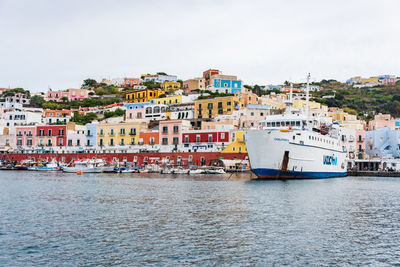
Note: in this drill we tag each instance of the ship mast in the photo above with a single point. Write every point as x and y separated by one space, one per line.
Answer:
307 94
289 102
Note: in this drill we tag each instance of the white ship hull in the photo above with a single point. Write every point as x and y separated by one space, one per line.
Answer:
82 169
294 154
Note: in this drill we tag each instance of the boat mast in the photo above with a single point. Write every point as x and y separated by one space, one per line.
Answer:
307 94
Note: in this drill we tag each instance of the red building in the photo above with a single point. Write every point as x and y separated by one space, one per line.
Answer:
130 82
207 76
51 135
205 136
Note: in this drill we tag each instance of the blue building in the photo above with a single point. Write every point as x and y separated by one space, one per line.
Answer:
91 135
136 105
227 86
383 143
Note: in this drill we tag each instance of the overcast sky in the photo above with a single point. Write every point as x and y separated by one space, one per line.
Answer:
60 43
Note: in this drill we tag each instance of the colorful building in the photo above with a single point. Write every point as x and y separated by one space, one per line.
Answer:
207 76
57 116
25 136
168 100
143 95
204 140
91 135
225 84
209 108
383 143
381 120
170 131
149 138
120 133
130 82
51 135
237 144
193 84
247 98
170 85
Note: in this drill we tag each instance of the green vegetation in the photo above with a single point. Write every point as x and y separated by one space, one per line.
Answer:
211 94
88 102
117 113
37 101
83 119
152 85
12 92
361 101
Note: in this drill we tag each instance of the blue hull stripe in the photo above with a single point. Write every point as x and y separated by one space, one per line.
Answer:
277 174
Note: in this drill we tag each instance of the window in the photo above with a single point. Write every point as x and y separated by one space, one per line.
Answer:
122 131
133 131
210 105
19 142
219 104
165 141
61 132
49 132
69 142
78 142
297 123
111 141
175 140
112 132
165 129
176 129
197 138
101 132
101 142
49 142
210 138
222 135
186 138
151 140
251 113
122 142
29 142
278 124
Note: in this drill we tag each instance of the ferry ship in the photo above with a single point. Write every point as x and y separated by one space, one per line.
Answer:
294 146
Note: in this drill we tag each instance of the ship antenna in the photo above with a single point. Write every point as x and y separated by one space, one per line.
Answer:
291 92
307 94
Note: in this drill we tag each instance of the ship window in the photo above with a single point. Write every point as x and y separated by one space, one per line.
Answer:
297 123
278 124
287 123
273 124
293 123
268 124
309 137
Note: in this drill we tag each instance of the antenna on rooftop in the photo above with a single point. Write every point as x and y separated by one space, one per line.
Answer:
307 93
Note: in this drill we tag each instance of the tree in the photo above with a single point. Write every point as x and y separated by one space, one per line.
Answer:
37 101
64 99
89 82
161 73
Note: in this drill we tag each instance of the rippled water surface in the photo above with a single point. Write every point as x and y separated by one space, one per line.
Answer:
131 219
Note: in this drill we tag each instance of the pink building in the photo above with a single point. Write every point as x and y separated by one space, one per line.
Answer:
134 114
389 81
25 136
170 131
77 94
360 137
381 120
71 94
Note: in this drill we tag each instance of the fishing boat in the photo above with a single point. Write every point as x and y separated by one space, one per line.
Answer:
85 166
214 170
50 166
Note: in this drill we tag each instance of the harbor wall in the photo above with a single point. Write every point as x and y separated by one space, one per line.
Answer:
182 158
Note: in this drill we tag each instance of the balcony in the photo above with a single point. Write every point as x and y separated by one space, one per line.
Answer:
122 133
152 143
29 135
101 134
89 134
111 134
132 133
164 132
121 144
19 134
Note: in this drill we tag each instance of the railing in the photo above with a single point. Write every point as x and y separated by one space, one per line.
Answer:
132 133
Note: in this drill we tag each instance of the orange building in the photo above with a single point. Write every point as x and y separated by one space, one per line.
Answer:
247 98
149 138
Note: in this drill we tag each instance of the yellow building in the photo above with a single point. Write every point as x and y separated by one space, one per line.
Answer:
369 80
167 85
120 134
144 95
299 103
237 144
175 99
209 108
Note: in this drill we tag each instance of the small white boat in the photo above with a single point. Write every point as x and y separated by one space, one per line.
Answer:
215 170
128 170
197 171
85 166
180 170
